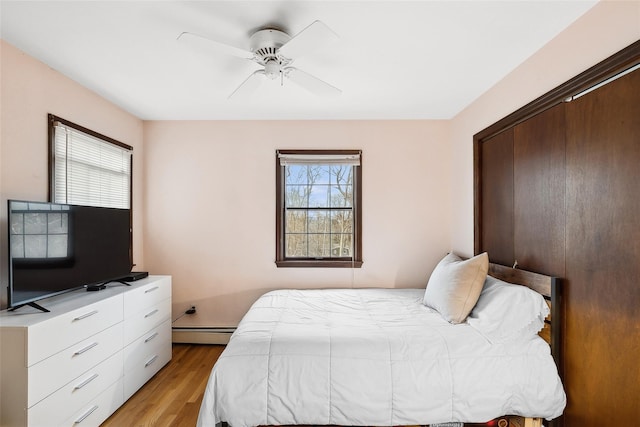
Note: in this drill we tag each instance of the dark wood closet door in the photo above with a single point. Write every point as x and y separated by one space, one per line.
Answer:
539 191
496 187
602 350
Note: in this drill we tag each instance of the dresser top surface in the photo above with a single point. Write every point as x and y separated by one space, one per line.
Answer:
64 303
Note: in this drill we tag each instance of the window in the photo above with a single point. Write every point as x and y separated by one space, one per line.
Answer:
87 168
318 199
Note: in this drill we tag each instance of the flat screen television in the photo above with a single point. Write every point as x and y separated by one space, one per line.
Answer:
56 248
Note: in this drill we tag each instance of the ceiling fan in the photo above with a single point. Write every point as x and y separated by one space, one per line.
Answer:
275 50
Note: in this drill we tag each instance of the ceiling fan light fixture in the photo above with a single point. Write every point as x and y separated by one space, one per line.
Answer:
272 69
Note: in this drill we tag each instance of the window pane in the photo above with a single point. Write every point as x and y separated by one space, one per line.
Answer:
319 245
341 196
297 196
296 222
341 245
296 174
319 222
341 174
296 245
341 221
319 174
320 196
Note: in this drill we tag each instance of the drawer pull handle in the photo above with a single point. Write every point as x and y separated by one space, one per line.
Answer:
151 313
151 290
84 316
85 382
150 361
86 414
85 349
155 334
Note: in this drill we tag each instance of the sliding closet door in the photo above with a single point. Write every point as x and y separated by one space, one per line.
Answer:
580 221
496 188
539 192
522 188
602 349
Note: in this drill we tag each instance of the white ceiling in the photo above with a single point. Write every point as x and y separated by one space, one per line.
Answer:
394 59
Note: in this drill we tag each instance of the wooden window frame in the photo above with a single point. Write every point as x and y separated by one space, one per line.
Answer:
356 257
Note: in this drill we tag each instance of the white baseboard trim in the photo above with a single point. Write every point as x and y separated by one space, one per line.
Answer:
202 335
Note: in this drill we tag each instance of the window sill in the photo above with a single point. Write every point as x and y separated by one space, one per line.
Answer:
310 263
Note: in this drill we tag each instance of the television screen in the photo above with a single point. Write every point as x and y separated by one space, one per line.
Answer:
54 248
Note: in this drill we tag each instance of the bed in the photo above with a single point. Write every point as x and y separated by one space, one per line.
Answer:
381 357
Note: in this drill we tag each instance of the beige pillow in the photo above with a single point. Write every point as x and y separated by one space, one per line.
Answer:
455 285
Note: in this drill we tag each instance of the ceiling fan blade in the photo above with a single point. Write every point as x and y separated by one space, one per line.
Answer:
249 85
314 36
207 43
311 83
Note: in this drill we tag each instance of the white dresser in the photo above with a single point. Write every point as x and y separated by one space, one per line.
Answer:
77 364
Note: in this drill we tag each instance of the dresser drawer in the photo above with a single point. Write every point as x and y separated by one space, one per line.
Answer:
49 375
144 296
145 356
50 337
99 409
68 400
142 321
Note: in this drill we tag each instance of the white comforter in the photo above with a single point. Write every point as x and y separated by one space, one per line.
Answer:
371 357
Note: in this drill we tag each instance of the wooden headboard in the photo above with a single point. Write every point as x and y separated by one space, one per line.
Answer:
550 288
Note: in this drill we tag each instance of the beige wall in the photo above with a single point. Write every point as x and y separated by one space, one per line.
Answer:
607 28
30 90
211 207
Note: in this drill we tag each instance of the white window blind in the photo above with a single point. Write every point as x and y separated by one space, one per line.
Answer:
314 159
90 171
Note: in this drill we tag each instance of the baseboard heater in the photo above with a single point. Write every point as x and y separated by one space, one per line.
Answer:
202 335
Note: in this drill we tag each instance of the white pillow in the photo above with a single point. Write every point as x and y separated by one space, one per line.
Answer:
507 312
455 285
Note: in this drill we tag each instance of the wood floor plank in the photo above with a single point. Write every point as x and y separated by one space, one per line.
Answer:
173 396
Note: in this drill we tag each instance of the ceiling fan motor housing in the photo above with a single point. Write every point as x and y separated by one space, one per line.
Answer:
264 45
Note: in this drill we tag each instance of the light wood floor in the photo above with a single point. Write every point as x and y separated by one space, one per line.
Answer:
172 397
